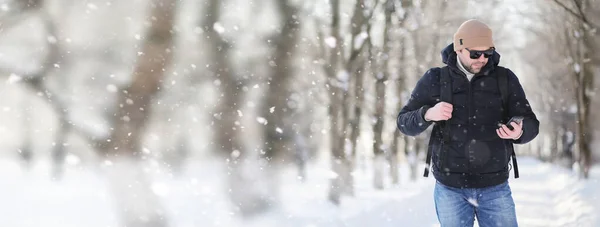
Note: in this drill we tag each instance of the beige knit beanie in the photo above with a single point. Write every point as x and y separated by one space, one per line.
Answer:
472 33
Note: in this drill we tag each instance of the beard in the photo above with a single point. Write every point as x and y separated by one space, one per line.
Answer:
474 70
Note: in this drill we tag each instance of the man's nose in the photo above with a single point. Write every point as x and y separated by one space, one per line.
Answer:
482 59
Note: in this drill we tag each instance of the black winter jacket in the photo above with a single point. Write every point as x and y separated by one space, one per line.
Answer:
476 156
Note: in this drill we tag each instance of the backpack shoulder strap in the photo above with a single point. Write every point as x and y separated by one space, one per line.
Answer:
445 85
503 87
445 96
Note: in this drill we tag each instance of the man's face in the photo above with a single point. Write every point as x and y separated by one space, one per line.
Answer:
474 65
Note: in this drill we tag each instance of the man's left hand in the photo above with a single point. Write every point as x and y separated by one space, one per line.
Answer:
505 133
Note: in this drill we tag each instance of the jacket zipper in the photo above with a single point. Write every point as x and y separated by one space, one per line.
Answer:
469 100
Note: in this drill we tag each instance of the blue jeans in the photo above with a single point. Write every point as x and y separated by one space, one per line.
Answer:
493 206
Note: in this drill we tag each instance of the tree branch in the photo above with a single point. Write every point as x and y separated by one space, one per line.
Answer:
35 81
20 10
580 16
355 52
569 10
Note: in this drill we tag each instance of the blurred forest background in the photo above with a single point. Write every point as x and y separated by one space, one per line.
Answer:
246 90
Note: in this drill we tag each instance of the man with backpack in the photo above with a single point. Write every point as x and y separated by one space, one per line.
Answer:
470 101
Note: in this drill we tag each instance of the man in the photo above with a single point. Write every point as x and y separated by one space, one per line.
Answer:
470 143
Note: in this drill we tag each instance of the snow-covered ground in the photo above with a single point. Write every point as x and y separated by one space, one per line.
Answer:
545 195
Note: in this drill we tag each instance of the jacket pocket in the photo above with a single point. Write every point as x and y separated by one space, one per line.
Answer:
489 156
455 160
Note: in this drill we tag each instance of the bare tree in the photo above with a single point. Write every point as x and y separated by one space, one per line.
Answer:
553 91
338 67
422 42
121 148
279 133
132 113
244 195
34 80
360 41
19 11
583 39
400 80
228 86
339 161
382 75
25 149
358 93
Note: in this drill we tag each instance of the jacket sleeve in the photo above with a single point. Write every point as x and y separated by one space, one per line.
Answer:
411 119
518 105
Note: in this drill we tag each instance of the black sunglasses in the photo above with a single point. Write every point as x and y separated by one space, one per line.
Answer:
475 54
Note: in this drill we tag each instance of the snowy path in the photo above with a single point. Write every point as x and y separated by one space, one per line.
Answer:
545 195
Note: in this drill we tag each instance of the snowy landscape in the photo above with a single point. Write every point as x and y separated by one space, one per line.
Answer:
260 113
545 195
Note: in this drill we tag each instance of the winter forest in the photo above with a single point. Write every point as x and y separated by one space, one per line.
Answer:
182 113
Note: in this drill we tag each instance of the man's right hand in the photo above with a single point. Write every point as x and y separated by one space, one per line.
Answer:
440 112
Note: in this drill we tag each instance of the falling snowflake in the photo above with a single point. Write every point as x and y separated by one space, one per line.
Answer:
218 28
14 78
331 42
262 120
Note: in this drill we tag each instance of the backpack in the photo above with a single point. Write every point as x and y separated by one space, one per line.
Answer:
446 96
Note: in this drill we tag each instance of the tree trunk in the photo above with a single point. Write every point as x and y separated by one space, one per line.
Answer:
131 186
345 144
379 149
337 153
410 153
177 154
278 132
555 143
355 66
338 157
587 95
394 168
585 83
25 149
584 135
543 145
359 95
400 80
419 147
244 194
59 149
340 163
35 81
566 153
301 155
